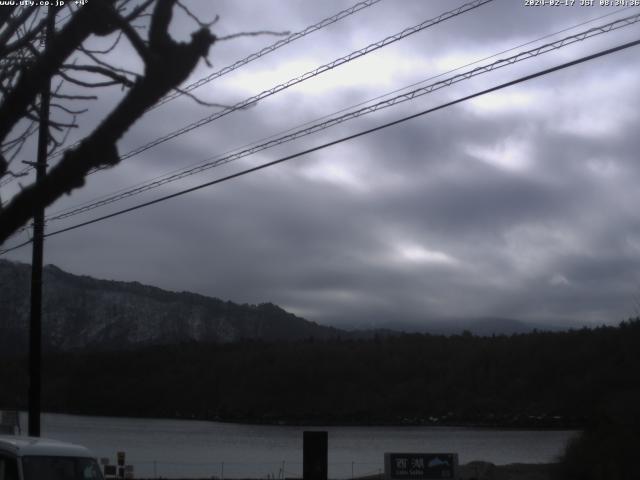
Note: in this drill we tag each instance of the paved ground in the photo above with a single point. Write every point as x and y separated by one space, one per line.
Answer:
516 471
489 471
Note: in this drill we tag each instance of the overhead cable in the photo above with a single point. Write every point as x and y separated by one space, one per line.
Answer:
343 139
262 140
266 50
307 75
411 95
228 69
251 101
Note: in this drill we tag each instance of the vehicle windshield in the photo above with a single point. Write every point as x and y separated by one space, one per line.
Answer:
60 468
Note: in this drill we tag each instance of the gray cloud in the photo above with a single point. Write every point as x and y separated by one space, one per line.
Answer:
521 204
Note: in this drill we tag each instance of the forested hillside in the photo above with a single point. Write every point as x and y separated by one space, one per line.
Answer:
84 312
560 379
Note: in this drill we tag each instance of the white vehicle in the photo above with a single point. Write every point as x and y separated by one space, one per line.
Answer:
30 458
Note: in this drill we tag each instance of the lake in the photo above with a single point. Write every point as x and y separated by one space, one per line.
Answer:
184 448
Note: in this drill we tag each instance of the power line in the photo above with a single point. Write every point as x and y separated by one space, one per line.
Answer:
344 139
10 178
306 76
255 142
178 174
329 66
266 50
223 71
314 128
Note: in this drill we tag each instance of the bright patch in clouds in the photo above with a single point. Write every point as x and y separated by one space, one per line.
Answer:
345 169
418 254
335 173
505 102
533 249
379 71
512 154
600 107
436 212
558 280
603 167
259 80
455 61
590 121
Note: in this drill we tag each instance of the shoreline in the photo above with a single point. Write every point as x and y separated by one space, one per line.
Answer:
539 425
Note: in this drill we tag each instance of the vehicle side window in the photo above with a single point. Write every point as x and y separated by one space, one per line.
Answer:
60 468
91 471
8 468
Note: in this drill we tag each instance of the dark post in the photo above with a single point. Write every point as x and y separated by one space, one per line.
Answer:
35 326
314 453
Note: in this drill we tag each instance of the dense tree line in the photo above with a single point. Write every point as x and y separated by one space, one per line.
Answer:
560 379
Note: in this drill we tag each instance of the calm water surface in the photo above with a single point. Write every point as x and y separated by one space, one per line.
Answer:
173 448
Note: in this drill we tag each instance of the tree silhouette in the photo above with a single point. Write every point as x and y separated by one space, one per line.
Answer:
68 59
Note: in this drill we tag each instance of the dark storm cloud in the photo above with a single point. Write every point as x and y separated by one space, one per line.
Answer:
520 205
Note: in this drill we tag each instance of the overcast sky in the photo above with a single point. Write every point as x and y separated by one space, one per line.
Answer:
521 204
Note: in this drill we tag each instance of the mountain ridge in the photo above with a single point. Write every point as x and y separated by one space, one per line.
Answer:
80 311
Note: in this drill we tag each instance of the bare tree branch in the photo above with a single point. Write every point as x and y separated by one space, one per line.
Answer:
82 83
25 40
68 110
252 34
168 64
159 29
57 125
22 173
108 49
138 11
31 80
199 22
12 24
136 41
5 13
204 103
104 64
116 77
58 143
74 97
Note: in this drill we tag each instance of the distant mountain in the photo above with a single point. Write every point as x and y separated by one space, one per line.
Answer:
81 312
483 327
505 326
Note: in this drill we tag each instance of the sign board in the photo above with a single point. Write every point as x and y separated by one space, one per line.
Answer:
121 458
420 466
110 470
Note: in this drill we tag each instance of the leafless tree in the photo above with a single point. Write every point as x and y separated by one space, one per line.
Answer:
68 58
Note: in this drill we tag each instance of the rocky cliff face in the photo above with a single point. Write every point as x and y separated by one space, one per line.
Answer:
83 312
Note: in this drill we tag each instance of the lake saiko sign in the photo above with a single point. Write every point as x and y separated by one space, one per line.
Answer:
420 466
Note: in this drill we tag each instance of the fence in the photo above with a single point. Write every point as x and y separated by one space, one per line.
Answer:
165 469
9 422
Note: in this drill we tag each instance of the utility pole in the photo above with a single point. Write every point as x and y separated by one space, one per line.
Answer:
35 325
